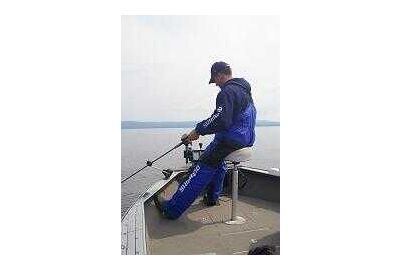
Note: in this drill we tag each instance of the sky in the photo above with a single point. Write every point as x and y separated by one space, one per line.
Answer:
166 62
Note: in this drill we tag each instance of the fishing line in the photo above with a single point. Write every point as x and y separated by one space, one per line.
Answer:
150 163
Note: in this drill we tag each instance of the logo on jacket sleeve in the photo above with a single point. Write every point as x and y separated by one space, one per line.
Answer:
212 118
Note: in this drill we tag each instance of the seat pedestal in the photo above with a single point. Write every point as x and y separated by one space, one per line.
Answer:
235 158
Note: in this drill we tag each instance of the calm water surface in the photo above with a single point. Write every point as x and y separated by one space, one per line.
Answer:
139 145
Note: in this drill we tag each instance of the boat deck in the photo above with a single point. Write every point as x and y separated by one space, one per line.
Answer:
201 230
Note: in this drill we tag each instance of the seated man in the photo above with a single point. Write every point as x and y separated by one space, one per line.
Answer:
233 123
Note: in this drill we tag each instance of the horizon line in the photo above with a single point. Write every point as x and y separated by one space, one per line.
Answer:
162 121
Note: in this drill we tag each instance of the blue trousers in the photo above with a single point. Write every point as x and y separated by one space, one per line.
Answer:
208 174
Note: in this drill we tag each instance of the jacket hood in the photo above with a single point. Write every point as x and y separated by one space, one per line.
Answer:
240 82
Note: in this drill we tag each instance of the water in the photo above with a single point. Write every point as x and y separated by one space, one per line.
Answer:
139 145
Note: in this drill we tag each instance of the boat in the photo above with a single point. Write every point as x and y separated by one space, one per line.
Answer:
246 224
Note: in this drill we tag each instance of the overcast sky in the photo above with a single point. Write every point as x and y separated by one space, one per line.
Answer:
166 63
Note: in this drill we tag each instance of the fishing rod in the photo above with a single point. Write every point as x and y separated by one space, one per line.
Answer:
150 163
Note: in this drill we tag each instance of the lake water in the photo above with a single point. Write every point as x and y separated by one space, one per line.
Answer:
139 145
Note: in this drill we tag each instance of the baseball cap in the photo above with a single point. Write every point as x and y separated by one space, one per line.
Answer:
216 68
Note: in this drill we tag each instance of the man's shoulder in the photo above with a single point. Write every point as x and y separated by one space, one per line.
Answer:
223 94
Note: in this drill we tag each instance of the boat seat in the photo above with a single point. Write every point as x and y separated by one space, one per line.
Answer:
240 155
236 157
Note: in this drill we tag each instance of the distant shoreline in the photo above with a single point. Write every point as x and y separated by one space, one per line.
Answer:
182 124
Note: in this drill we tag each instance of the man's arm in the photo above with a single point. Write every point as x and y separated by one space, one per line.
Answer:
221 119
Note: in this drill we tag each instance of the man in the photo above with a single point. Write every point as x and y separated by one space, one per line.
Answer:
233 123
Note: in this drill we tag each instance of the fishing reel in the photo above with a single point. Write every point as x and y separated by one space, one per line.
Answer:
192 155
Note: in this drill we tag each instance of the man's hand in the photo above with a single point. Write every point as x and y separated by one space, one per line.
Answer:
193 135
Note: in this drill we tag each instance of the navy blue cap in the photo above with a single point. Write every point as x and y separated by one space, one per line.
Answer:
216 68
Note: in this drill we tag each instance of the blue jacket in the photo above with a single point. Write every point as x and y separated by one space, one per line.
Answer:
234 118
